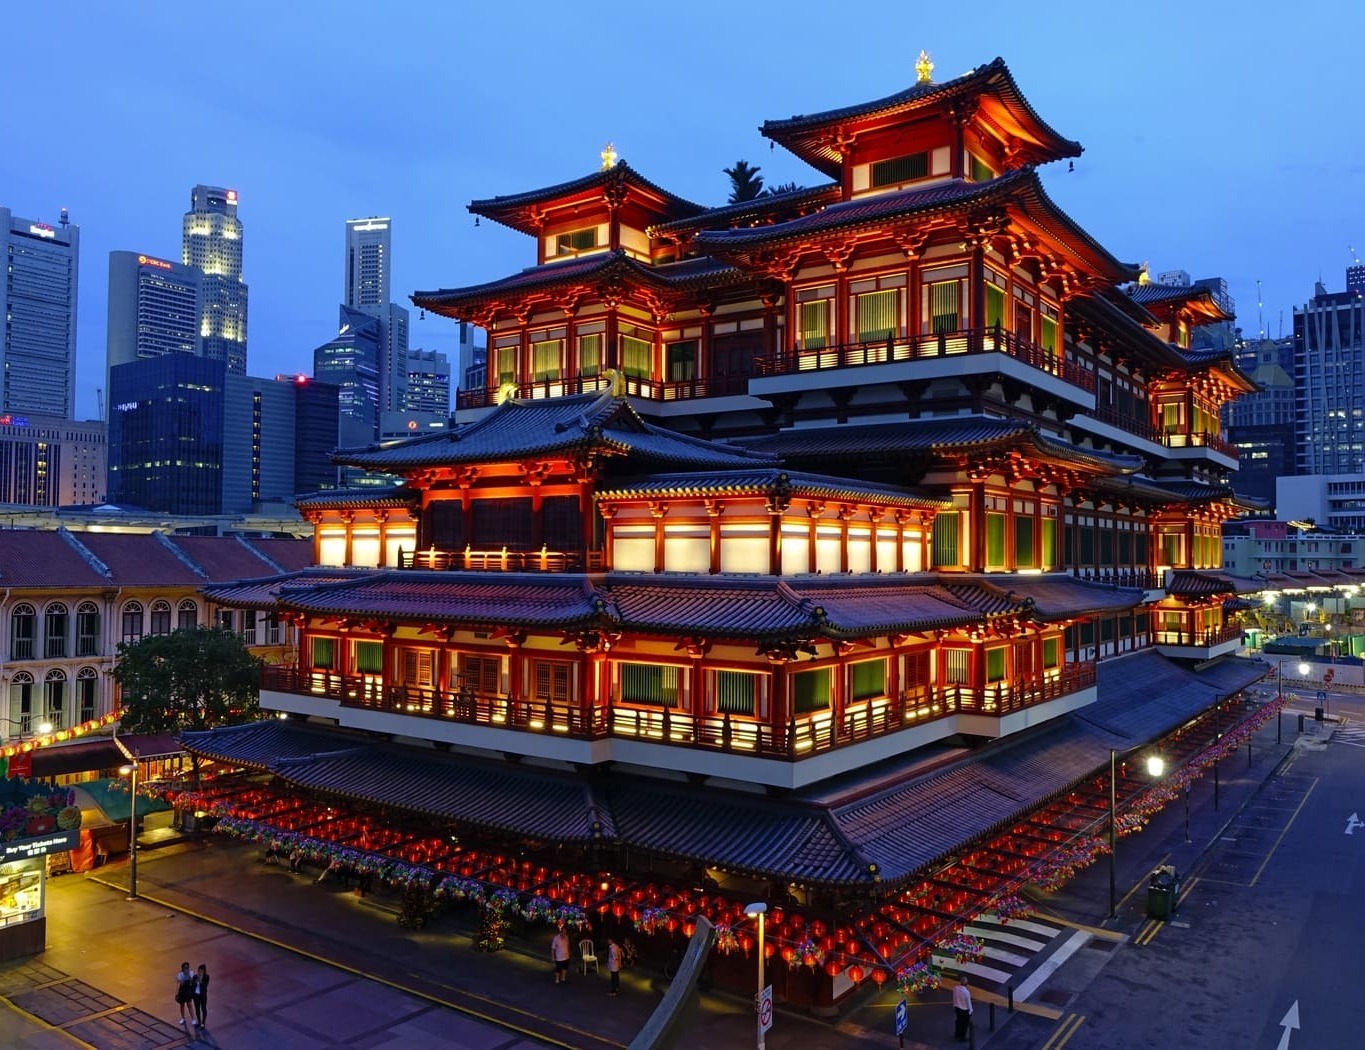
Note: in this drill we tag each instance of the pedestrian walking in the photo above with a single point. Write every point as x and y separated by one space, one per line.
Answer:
184 993
962 1006
201 996
560 954
614 966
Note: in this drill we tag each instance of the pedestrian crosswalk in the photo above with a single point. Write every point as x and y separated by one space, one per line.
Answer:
1352 733
1009 947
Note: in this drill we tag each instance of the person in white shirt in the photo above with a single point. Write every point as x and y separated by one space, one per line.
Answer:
962 1004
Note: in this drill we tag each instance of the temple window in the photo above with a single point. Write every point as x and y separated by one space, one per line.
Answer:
657 685
878 315
810 691
995 301
483 674
682 361
900 169
915 673
957 666
1024 511
1023 320
635 355
576 241
1051 652
979 170
1047 331
1051 559
744 547
943 302
996 522
813 324
795 548
1172 416
505 364
829 547
632 548
590 354
687 547
552 680
736 693
995 665
946 540
859 547
369 657
322 653
547 359
1172 539
867 680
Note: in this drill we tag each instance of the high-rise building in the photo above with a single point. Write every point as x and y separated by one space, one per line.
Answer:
1329 362
48 461
428 382
188 437
153 308
1355 278
212 242
350 362
38 307
1261 424
368 248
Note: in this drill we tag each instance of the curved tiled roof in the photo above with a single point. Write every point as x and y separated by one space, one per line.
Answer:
940 436
599 267
579 422
801 134
769 481
505 209
769 207
264 593
1197 582
397 496
1050 597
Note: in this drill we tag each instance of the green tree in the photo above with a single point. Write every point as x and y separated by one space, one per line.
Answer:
746 183
782 187
193 678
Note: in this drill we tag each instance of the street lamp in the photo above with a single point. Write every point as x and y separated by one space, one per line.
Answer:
1156 765
131 770
759 910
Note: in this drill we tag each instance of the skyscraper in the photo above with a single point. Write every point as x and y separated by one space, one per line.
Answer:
428 382
368 247
1329 362
212 241
369 260
153 308
38 311
350 362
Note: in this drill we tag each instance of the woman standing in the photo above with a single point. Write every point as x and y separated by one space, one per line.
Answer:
201 996
184 992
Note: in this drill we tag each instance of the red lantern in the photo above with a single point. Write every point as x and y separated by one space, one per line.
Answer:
879 976
769 950
855 973
851 946
832 967
618 909
672 924
689 928
746 942
789 955
828 943
775 916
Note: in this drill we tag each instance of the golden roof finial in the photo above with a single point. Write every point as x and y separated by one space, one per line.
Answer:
924 69
608 157
1144 273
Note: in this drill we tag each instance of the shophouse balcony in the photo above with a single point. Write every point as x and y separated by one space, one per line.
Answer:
939 347
1179 443
801 736
1201 644
645 389
503 560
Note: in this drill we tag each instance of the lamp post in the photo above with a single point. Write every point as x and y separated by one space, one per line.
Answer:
1155 767
759 911
131 770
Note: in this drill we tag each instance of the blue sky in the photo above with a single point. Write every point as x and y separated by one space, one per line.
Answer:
1220 138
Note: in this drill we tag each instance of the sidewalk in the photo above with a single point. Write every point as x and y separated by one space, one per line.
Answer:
293 961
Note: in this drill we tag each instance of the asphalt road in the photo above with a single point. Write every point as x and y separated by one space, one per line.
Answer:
1266 950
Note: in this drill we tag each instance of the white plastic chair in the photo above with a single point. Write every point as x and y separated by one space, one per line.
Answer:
587 957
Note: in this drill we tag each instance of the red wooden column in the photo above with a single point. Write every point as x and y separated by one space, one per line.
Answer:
874 515
714 509
348 519
779 710
381 518
658 511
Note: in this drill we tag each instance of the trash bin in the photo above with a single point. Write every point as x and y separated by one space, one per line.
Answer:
1162 888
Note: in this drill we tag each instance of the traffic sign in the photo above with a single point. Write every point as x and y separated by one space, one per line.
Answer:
900 1017
765 1009
1322 694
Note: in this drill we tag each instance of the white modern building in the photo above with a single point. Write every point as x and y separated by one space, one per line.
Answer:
153 309
212 242
368 251
38 308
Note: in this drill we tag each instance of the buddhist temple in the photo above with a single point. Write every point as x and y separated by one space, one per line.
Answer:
804 545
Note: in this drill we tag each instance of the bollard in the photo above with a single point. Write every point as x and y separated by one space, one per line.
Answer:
992 1017
1009 991
1300 722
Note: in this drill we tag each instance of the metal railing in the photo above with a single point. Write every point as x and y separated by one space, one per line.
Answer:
1200 440
503 560
648 389
1203 639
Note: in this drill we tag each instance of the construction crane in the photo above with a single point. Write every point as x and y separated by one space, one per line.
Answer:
99 400
1260 319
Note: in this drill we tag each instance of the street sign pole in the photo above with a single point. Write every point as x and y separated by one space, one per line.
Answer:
900 1022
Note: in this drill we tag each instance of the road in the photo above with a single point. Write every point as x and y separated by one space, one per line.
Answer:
1266 950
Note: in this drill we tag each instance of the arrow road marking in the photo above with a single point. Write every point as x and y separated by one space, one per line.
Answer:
1353 822
1289 1024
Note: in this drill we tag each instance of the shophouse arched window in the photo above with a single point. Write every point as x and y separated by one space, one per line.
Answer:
23 626
55 625
54 698
160 618
21 703
132 622
87 629
87 693
188 615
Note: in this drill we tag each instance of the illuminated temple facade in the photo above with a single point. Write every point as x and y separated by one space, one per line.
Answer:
765 495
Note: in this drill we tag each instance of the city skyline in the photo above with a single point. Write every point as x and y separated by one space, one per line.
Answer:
1199 159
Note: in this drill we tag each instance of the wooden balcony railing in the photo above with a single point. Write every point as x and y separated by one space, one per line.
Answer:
994 340
1143 578
1204 639
648 389
503 560
1200 440
799 737
1142 428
